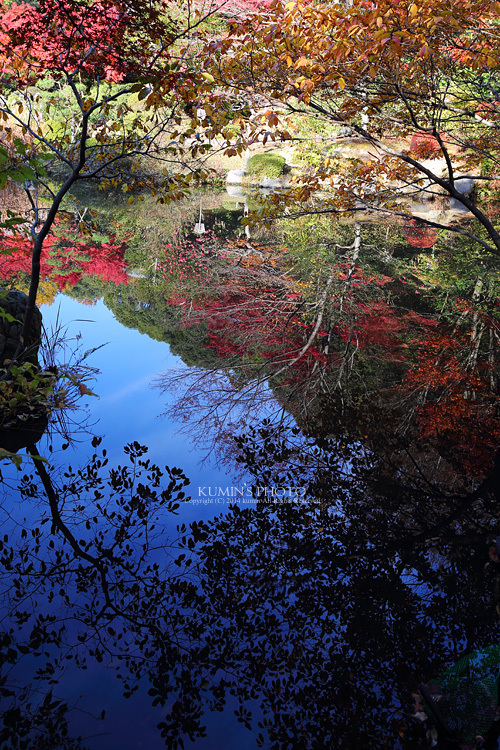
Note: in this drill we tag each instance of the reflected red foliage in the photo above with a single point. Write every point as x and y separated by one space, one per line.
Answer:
459 400
246 320
65 262
420 235
253 324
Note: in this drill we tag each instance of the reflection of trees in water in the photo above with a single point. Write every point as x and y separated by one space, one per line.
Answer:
372 588
137 306
86 582
360 569
67 258
319 609
333 329
147 226
349 342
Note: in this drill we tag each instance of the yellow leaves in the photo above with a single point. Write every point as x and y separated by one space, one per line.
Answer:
341 83
208 78
413 10
306 85
301 63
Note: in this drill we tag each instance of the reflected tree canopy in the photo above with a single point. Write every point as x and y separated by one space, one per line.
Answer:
319 608
355 381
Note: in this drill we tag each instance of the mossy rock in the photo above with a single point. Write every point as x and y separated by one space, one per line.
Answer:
12 309
266 165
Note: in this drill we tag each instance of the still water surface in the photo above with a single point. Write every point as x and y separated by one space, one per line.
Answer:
320 616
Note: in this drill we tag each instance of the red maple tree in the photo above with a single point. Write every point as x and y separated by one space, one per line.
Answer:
108 39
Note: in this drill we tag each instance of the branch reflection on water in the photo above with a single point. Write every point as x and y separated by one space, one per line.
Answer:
321 612
364 565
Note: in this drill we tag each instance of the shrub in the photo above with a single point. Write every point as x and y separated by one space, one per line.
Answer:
420 235
266 165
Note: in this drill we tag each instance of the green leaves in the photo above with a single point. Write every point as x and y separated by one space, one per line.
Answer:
21 173
14 458
21 164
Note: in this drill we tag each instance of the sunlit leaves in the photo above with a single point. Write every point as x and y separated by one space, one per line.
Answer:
387 72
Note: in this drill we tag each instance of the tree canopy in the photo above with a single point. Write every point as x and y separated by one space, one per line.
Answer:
417 82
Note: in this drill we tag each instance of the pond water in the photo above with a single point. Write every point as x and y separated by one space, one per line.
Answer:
330 393
129 403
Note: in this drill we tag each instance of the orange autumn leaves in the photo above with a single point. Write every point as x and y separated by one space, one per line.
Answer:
313 44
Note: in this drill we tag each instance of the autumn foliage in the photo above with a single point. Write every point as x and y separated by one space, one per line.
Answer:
424 145
458 410
417 234
65 261
246 323
108 39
